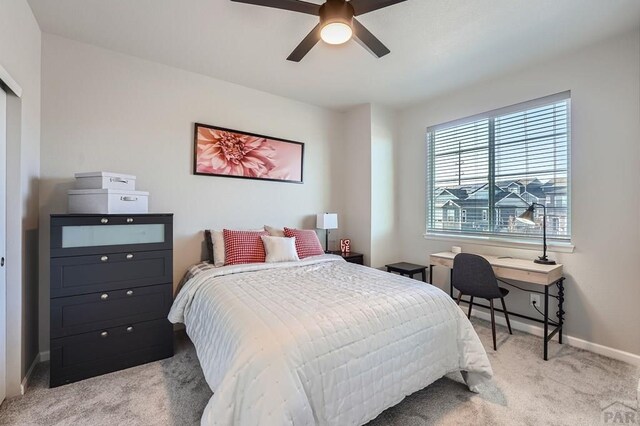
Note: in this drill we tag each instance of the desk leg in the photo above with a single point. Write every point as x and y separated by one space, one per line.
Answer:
431 274
546 320
424 275
560 285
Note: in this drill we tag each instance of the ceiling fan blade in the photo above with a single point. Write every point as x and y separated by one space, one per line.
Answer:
293 5
305 45
361 7
368 40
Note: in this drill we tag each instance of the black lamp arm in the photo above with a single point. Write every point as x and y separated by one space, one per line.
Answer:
544 230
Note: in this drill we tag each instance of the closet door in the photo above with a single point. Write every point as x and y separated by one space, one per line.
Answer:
3 223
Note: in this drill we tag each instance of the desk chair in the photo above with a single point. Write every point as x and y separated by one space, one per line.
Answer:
473 276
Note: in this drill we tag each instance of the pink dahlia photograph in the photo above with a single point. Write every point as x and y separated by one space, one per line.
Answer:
225 152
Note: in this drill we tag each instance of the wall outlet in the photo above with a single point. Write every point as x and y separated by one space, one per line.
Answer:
534 299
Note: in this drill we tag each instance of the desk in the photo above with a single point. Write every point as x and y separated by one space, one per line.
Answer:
520 270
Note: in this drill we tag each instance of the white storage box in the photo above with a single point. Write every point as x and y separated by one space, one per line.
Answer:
105 180
107 201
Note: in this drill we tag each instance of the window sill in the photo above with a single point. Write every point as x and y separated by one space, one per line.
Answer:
554 246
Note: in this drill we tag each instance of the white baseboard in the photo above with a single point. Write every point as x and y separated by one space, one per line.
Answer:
27 377
44 356
627 357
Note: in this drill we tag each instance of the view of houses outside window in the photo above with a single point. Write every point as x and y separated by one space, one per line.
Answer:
485 172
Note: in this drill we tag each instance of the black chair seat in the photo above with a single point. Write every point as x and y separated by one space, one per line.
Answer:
474 276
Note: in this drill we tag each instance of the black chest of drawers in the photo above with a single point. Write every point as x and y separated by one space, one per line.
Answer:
111 291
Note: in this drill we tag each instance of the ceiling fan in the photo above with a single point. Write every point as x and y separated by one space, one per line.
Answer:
337 22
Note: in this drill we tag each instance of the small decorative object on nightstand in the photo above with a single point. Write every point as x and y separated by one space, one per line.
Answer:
408 269
351 257
345 245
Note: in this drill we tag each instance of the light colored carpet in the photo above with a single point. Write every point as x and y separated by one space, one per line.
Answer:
569 389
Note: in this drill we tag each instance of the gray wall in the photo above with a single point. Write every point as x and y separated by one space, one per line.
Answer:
108 111
603 272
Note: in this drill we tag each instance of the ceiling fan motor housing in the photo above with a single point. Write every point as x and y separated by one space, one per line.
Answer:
336 11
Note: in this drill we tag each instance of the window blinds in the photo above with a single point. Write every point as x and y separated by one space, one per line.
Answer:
485 170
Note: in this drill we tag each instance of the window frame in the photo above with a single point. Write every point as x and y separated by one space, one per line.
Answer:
501 239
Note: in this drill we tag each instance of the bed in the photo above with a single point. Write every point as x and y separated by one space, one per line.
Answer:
320 341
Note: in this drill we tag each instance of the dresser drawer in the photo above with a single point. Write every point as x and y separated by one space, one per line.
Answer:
85 355
109 271
79 235
80 314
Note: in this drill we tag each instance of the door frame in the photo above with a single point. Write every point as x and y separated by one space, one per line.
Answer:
3 244
12 90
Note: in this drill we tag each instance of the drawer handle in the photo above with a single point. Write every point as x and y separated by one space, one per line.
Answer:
119 180
104 296
129 220
129 292
104 258
129 329
104 334
129 256
127 198
104 220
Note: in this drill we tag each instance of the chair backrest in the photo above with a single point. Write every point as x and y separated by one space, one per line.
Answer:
473 276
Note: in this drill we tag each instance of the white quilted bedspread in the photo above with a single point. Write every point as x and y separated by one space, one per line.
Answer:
321 341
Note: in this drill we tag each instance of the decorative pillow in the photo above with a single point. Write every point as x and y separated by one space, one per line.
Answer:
307 243
215 245
274 232
243 247
280 249
208 239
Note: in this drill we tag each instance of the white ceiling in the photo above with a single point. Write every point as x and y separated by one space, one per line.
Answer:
435 44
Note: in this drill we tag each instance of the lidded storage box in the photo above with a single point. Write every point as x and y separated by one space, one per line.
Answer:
107 193
105 180
107 201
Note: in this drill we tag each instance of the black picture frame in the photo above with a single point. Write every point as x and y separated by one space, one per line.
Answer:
240 132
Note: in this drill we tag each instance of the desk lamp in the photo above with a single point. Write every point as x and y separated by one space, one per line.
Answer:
527 217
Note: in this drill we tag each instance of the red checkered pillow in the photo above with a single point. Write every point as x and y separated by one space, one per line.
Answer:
307 243
243 247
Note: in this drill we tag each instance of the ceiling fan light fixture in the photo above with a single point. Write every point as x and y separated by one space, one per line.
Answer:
336 21
336 33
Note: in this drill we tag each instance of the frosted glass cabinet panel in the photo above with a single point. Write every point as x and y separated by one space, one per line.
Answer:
112 235
90 234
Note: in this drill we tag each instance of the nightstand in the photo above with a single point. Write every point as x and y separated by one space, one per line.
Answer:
408 269
351 257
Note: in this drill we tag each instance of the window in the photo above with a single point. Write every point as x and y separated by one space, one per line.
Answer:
493 166
451 215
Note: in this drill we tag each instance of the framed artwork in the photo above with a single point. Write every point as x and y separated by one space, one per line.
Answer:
345 245
232 153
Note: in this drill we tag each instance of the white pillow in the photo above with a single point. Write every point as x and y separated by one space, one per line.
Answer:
280 249
274 232
217 239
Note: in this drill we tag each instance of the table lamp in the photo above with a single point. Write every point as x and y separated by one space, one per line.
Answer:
327 221
527 217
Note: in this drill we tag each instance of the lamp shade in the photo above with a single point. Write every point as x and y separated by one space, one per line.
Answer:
327 221
527 216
